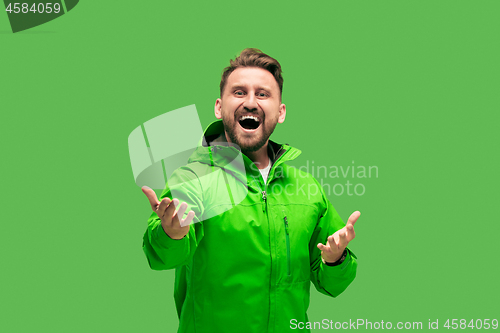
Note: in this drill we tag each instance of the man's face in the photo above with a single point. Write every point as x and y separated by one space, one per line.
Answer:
250 107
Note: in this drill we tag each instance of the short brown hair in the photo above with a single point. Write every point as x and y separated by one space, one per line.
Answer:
251 57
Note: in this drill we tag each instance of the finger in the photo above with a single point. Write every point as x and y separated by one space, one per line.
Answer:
160 210
343 239
153 200
180 212
169 212
176 202
353 218
322 247
188 219
335 236
333 242
350 233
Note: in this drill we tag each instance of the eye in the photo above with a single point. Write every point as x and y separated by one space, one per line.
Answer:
262 94
239 93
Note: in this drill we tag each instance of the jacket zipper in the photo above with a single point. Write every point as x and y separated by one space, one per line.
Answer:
287 235
264 209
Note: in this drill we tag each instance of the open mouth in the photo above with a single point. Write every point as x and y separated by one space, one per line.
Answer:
249 122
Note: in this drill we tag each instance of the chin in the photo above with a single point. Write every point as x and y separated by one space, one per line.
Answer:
250 149
250 144
248 139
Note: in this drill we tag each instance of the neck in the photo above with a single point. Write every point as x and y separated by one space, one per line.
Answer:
260 157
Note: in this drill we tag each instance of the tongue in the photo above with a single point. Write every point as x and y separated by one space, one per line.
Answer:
249 124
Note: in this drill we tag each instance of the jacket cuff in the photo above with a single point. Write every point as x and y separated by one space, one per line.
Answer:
166 242
339 269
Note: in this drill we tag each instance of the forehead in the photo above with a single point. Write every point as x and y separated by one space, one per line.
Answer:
252 77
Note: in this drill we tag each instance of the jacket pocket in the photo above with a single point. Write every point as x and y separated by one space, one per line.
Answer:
287 236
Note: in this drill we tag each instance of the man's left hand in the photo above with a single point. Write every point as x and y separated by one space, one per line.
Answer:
332 251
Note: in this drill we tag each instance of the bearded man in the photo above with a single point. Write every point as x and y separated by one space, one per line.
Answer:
246 265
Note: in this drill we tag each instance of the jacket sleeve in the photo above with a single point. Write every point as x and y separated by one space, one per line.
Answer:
329 280
162 251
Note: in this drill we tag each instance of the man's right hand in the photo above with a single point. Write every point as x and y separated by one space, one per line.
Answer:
171 220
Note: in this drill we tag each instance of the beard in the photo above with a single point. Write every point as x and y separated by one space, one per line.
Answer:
246 141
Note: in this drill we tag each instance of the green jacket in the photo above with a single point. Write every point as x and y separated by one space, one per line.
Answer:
247 262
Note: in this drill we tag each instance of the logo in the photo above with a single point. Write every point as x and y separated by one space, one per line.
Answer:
165 143
28 14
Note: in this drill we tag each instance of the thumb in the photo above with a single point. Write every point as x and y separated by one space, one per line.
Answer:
353 218
153 200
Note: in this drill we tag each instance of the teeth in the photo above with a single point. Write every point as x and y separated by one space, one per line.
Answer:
250 117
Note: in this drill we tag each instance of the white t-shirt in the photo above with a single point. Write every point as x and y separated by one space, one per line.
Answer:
265 172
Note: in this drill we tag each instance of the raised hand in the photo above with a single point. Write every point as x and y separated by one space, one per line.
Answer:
332 251
171 220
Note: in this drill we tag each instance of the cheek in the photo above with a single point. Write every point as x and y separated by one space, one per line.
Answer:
228 116
272 117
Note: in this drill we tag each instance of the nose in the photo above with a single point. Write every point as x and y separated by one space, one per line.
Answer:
250 102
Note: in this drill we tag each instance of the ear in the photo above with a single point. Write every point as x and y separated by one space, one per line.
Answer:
282 115
217 108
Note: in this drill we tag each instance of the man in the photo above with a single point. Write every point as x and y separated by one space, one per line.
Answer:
247 266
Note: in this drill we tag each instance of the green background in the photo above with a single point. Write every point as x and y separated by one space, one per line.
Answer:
411 87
